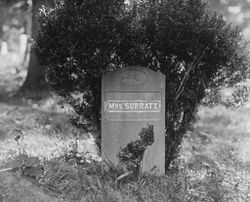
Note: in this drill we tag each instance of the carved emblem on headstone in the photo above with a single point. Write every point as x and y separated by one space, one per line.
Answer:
133 77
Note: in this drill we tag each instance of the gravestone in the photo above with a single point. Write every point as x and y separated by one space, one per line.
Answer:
4 48
132 98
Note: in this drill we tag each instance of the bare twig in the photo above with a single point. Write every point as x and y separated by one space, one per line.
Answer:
190 68
124 175
6 169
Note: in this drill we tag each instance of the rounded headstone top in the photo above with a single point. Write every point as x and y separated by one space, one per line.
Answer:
133 78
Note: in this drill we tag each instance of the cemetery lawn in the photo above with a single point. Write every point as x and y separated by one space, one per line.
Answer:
214 164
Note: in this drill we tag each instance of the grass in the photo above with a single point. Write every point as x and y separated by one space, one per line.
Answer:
214 163
220 142
43 134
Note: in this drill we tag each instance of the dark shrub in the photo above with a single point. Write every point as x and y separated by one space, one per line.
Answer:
80 40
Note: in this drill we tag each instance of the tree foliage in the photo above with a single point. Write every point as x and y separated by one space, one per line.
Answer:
80 40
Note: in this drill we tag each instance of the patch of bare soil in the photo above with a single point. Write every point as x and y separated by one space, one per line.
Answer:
15 188
40 130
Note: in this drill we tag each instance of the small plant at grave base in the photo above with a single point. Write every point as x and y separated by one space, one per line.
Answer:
74 157
131 156
196 50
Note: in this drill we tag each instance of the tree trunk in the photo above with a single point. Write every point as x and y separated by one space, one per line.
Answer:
27 31
35 80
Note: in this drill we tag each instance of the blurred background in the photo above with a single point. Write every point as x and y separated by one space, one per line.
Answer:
18 22
15 33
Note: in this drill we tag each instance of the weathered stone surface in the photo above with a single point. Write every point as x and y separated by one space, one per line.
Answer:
132 98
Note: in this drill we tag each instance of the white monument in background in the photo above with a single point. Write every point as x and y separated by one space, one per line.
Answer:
23 43
4 48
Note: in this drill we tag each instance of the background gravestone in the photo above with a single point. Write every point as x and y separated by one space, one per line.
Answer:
132 98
